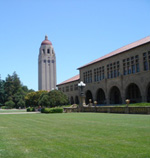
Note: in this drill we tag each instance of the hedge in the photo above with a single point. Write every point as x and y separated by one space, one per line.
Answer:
52 110
30 109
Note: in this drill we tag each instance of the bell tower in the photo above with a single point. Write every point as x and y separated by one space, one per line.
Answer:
46 66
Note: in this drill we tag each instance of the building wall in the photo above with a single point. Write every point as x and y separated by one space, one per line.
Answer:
115 89
122 81
71 90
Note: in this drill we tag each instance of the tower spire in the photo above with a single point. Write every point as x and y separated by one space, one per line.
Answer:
46 37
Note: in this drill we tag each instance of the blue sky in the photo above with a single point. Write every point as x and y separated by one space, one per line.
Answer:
80 31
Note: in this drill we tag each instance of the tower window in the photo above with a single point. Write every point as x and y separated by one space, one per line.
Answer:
43 51
48 51
44 61
52 51
52 61
48 61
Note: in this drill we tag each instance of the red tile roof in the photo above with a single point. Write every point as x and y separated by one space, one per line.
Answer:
75 78
120 50
46 41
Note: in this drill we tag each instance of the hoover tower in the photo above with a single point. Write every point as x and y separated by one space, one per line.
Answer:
46 66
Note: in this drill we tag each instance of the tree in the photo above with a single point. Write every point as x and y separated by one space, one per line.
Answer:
2 92
57 98
10 104
44 100
12 86
16 83
32 99
21 103
12 90
8 87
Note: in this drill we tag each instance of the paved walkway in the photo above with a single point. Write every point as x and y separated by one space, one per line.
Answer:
19 113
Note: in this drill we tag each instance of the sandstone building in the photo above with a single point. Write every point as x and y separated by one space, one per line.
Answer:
120 75
46 66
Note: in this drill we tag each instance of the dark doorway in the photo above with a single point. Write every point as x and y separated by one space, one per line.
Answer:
72 100
88 96
148 94
76 100
133 93
101 97
115 96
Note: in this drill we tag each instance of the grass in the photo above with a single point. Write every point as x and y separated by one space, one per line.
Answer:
75 135
136 104
12 110
130 105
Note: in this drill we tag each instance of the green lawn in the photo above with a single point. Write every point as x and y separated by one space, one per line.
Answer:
12 110
75 135
136 104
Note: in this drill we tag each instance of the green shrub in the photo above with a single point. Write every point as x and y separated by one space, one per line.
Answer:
52 110
21 103
4 107
10 104
45 110
30 109
56 110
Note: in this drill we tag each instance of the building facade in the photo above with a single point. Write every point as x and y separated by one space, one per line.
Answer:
120 75
46 66
70 88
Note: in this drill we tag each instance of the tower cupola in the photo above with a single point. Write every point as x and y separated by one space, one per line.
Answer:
46 41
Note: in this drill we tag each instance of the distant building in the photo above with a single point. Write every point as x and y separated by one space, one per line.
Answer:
120 75
70 88
46 66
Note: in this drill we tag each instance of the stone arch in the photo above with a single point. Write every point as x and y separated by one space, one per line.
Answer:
115 95
133 93
100 96
76 100
148 93
71 100
88 96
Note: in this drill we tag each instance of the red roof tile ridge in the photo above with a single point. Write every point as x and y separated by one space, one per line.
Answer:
120 50
74 78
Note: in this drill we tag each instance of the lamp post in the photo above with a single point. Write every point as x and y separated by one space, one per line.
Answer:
128 102
81 85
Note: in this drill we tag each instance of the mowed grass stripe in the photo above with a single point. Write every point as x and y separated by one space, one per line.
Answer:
88 135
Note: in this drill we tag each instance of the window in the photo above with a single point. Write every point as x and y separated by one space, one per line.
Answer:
48 51
133 69
103 74
67 88
146 59
87 76
76 87
131 65
99 74
59 89
52 51
71 88
149 59
44 61
43 51
113 70
95 75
